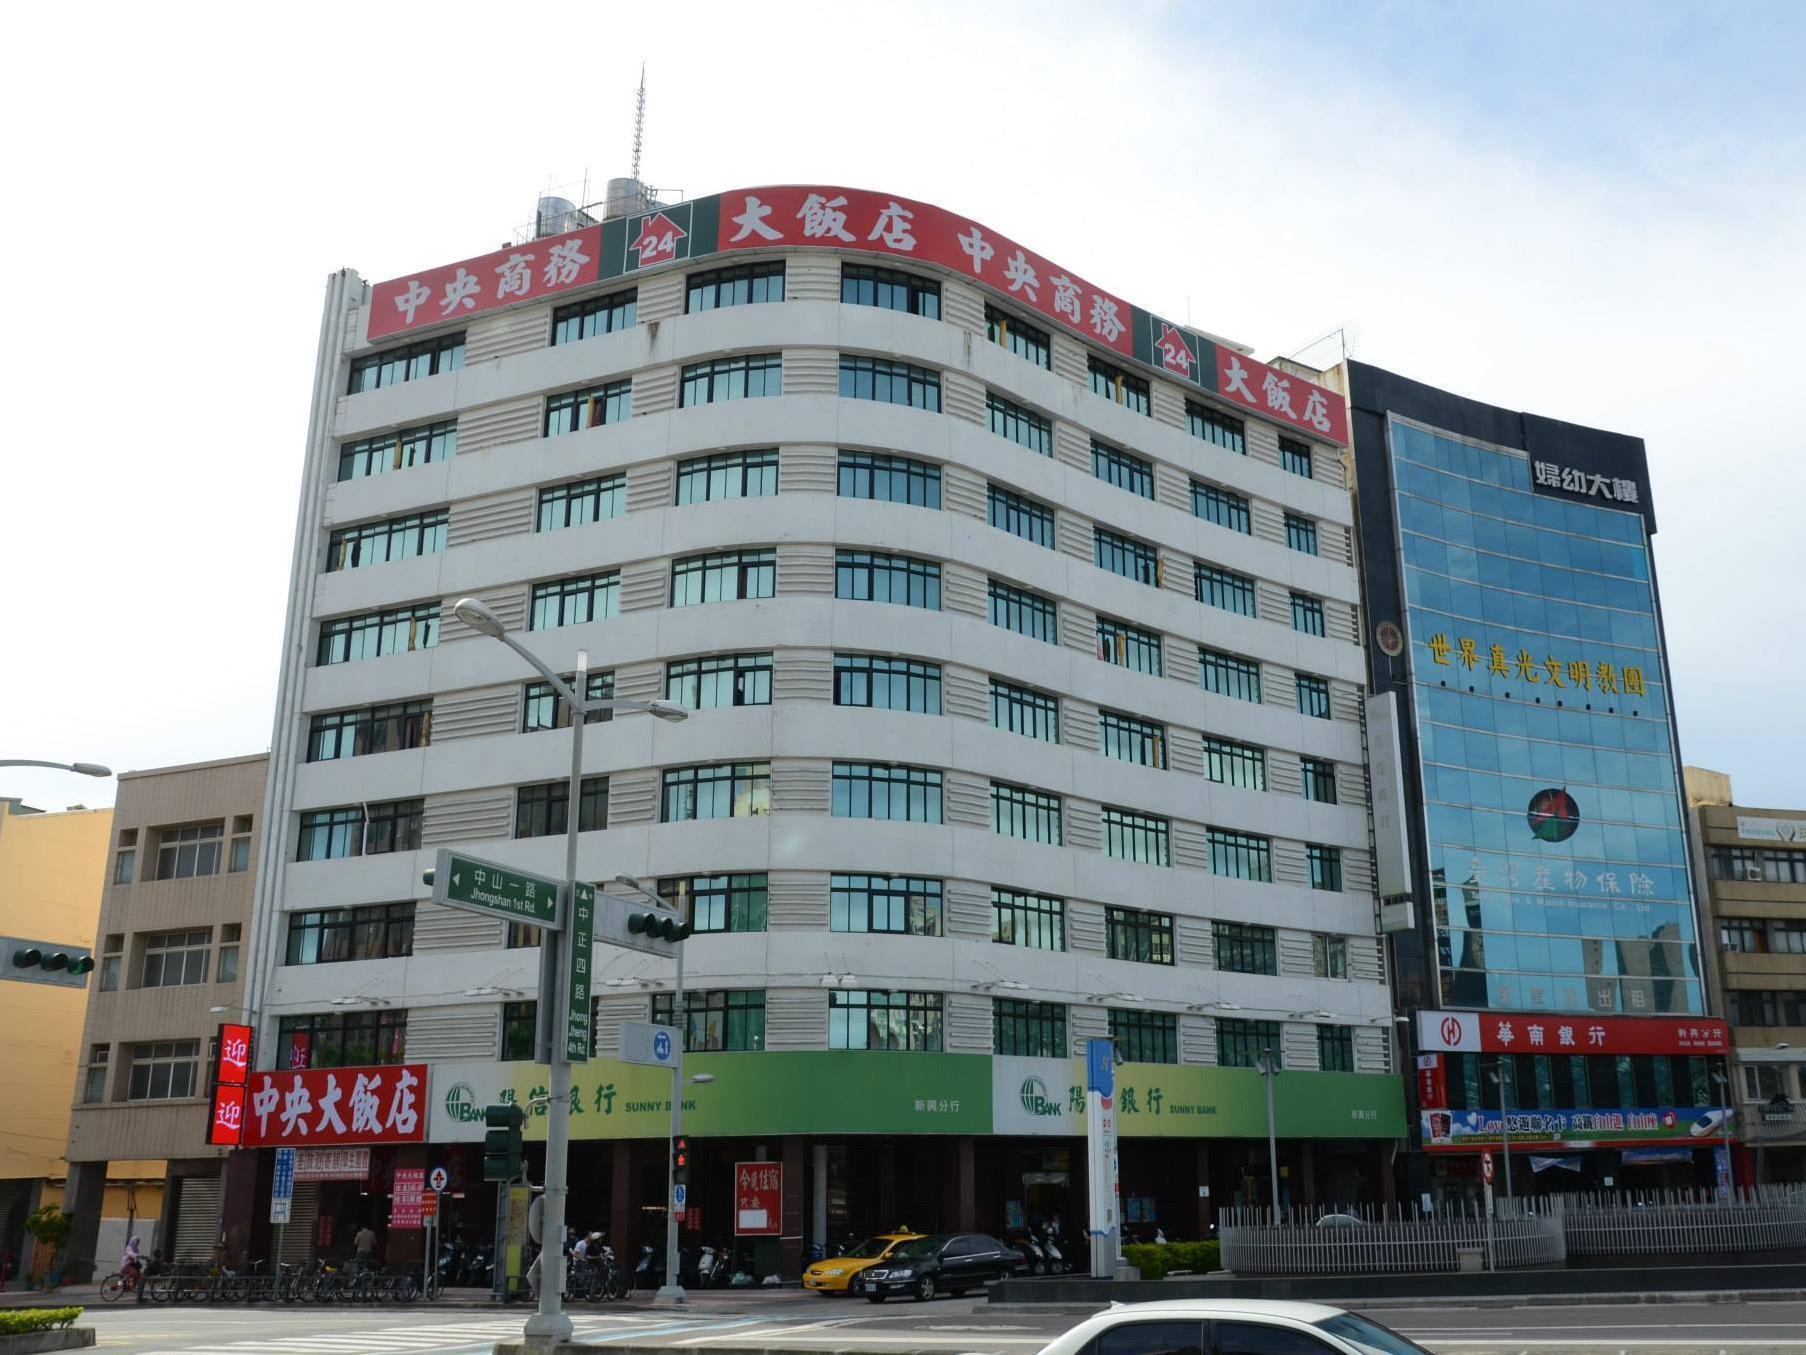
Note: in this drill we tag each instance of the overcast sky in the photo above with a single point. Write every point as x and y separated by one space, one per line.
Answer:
1588 211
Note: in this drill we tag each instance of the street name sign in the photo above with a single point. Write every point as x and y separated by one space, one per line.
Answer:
578 1035
484 887
282 1188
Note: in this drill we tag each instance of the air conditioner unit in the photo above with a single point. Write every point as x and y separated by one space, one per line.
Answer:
1753 873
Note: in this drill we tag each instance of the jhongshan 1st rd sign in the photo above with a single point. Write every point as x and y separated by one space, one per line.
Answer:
494 891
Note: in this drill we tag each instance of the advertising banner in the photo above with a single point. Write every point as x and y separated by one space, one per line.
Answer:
528 272
758 1198
226 1127
232 1059
1481 1032
407 1186
1432 1082
1469 1130
332 1164
290 1108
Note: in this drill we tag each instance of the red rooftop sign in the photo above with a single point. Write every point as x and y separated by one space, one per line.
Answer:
801 216
1530 1033
314 1107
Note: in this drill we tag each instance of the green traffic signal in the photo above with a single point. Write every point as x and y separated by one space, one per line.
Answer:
658 926
45 962
82 964
28 958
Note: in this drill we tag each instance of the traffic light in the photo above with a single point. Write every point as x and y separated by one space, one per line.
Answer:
680 1161
658 926
45 962
501 1143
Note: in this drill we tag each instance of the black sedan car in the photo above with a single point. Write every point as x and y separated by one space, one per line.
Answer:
946 1263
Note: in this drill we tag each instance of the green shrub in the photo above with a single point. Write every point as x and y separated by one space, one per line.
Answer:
1155 1260
18 1321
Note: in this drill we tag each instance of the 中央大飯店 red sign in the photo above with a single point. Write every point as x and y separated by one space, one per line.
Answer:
294 1108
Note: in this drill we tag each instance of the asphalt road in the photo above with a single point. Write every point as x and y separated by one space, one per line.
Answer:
794 1321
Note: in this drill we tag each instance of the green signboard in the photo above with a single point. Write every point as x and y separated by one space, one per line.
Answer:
580 936
495 891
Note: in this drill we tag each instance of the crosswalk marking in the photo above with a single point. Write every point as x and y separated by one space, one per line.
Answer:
456 1336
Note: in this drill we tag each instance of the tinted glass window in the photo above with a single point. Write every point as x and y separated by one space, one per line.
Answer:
1247 1338
1366 1335
1151 1338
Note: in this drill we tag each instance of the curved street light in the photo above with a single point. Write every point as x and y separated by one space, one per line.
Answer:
79 768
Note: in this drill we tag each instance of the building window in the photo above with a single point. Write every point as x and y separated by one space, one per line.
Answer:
377 543
731 576
175 959
164 1071
1307 614
893 479
1145 1037
1313 696
1024 612
392 366
521 935
360 830
238 858
1240 1044
1022 517
1019 337
398 631
883 790
1753 1007
539 810
1131 739
728 475
905 905
729 1020
345 1039
1235 764
1222 588
744 285
591 407
398 451
373 729
747 377
1032 815
1325 866
1025 711
1228 675
573 602
877 1019
1138 935
1295 457
520 1022
720 903
1769 866
887 684
230 935
719 681
578 503
1129 836
1028 1029
1122 470
870 576
1335 1049
890 289
1301 534
1224 431
1021 426
1126 556
1329 956
1743 935
1128 646
1113 383
124 865
891 383
1241 856
1244 948
1764 1081
94 1082
598 315
1222 507
1787 937
383 931
112 960
544 708
1319 780
718 790
183 853
1019 918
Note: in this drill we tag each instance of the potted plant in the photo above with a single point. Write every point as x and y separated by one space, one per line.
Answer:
51 1226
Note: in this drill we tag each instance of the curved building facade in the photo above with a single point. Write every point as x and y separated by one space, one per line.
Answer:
1019 630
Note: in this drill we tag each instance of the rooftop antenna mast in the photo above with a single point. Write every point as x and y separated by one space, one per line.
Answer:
639 122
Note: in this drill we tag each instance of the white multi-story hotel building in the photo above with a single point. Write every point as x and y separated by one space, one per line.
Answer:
1019 629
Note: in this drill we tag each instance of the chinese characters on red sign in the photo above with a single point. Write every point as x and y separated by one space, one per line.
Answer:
1477 1032
232 1065
1432 1082
406 1188
526 273
226 1128
231 1069
337 1106
758 1198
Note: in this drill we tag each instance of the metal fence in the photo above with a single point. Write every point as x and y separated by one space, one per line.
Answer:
1681 1222
1365 1241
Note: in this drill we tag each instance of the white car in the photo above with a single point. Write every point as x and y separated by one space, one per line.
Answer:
1229 1327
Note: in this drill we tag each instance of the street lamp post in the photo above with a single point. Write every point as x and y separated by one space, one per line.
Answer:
1498 1076
551 1324
1268 1063
1722 1076
79 768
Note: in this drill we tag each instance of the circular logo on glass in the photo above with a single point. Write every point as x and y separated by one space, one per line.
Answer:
1553 815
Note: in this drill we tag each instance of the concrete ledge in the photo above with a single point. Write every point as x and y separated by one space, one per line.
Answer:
58 1338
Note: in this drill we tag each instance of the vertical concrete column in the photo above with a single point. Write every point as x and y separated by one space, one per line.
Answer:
791 1230
818 1195
1307 1173
887 1189
1382 1153
1201 1173
83 1197
239 1196
962 1178
620 1203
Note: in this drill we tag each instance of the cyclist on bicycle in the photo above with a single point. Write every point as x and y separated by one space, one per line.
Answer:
131 1267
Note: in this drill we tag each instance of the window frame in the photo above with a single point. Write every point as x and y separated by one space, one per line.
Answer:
441 354
885 673
1229 762
1019 337
1032 919
594 406
698 580
1128 472
1139 741
1018 424
581 503
743 789
921 295
1120 386
906 784
746 677
386 540
1138 935
1222 507
740 376
1014 805
1225 590
1218 429
911 905
913 1022
1038 614
858 568
750 473
1028 711
1127 557
616 311
1244 947
920 386
1133 835
871 471
716 1020
755 280
1011 512
1025 1028
1143 1036
401 450
541 808
574 600
1135 645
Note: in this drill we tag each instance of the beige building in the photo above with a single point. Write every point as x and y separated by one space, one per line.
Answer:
1755 899
169 969
50 873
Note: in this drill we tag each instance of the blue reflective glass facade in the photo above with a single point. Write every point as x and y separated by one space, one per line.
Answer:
1552 815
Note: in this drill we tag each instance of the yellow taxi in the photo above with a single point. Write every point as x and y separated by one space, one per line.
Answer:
840 1274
